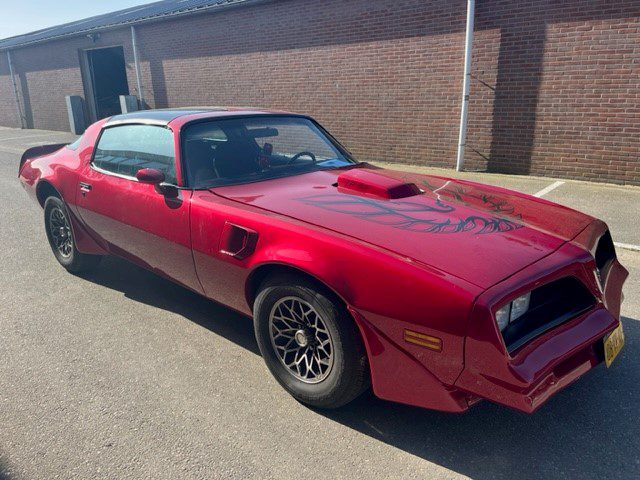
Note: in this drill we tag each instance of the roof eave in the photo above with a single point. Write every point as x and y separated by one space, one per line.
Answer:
156 18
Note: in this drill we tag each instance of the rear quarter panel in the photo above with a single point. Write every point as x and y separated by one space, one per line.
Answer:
60 168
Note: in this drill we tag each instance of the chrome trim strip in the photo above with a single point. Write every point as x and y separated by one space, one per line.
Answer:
127 177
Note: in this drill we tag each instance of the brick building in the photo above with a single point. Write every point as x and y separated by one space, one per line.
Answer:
555 85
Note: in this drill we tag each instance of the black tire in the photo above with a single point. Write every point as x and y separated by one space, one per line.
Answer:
348 375
56 218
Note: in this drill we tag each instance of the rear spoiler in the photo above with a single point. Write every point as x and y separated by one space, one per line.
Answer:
39 151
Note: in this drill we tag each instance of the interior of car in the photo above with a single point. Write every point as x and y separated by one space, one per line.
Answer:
223 151
210 159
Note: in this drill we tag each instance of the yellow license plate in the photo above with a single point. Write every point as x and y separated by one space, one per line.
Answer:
613 343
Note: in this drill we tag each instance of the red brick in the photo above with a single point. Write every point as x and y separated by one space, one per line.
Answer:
555 87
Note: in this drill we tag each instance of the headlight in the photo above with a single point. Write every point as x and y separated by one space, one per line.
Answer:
520 306
512 311
502 316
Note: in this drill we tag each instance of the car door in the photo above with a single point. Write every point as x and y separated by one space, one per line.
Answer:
138 222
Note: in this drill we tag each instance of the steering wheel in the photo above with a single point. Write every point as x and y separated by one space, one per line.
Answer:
302 154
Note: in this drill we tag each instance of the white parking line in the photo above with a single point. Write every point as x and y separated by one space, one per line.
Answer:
554 185
627 246
546 190
12 150
26 137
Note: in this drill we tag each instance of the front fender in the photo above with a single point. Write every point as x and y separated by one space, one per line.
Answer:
400 372
391 293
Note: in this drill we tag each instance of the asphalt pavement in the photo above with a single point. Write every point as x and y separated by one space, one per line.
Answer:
121 374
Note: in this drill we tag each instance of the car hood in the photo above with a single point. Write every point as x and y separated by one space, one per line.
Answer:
476 232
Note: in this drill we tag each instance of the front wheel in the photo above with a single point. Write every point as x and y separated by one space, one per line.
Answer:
60 235
310 342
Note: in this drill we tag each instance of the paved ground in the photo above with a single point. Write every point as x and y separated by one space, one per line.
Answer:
120 374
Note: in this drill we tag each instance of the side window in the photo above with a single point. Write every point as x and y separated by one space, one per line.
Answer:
200 146
125 149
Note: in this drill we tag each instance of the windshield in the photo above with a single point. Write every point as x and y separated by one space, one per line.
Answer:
242 150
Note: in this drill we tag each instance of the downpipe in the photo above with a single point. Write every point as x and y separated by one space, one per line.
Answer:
464 113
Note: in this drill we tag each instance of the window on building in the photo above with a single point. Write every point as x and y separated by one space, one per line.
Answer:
125 149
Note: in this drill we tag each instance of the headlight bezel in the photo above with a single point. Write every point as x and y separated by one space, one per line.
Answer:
551 304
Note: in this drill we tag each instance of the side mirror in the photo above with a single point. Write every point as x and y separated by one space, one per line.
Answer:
150 176
154 177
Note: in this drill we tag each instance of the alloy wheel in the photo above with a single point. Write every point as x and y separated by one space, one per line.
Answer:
60 230
301 339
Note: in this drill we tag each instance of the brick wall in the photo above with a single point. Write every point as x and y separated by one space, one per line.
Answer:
555 85
8 109
46 73
557 89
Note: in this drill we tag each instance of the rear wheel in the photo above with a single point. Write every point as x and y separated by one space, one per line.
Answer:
60 235
309 342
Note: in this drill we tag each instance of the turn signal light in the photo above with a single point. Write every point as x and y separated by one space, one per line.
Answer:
423 340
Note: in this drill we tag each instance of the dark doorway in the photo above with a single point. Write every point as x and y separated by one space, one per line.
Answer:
108 79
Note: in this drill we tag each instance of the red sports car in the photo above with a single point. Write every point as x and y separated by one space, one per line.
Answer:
436 292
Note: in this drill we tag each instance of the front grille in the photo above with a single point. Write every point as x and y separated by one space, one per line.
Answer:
551 305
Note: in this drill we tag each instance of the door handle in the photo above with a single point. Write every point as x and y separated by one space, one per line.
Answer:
85 188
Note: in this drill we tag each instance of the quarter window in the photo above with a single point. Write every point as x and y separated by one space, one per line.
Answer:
126 149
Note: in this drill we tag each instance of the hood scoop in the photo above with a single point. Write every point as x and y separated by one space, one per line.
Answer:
369 183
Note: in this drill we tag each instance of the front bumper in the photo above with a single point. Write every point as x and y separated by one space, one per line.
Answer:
547 368
528 377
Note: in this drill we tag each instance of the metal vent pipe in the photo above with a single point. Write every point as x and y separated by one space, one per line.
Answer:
464 113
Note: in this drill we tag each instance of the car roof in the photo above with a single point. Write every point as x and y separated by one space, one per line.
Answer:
164 116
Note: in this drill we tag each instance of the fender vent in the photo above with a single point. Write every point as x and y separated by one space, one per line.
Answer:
237 242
